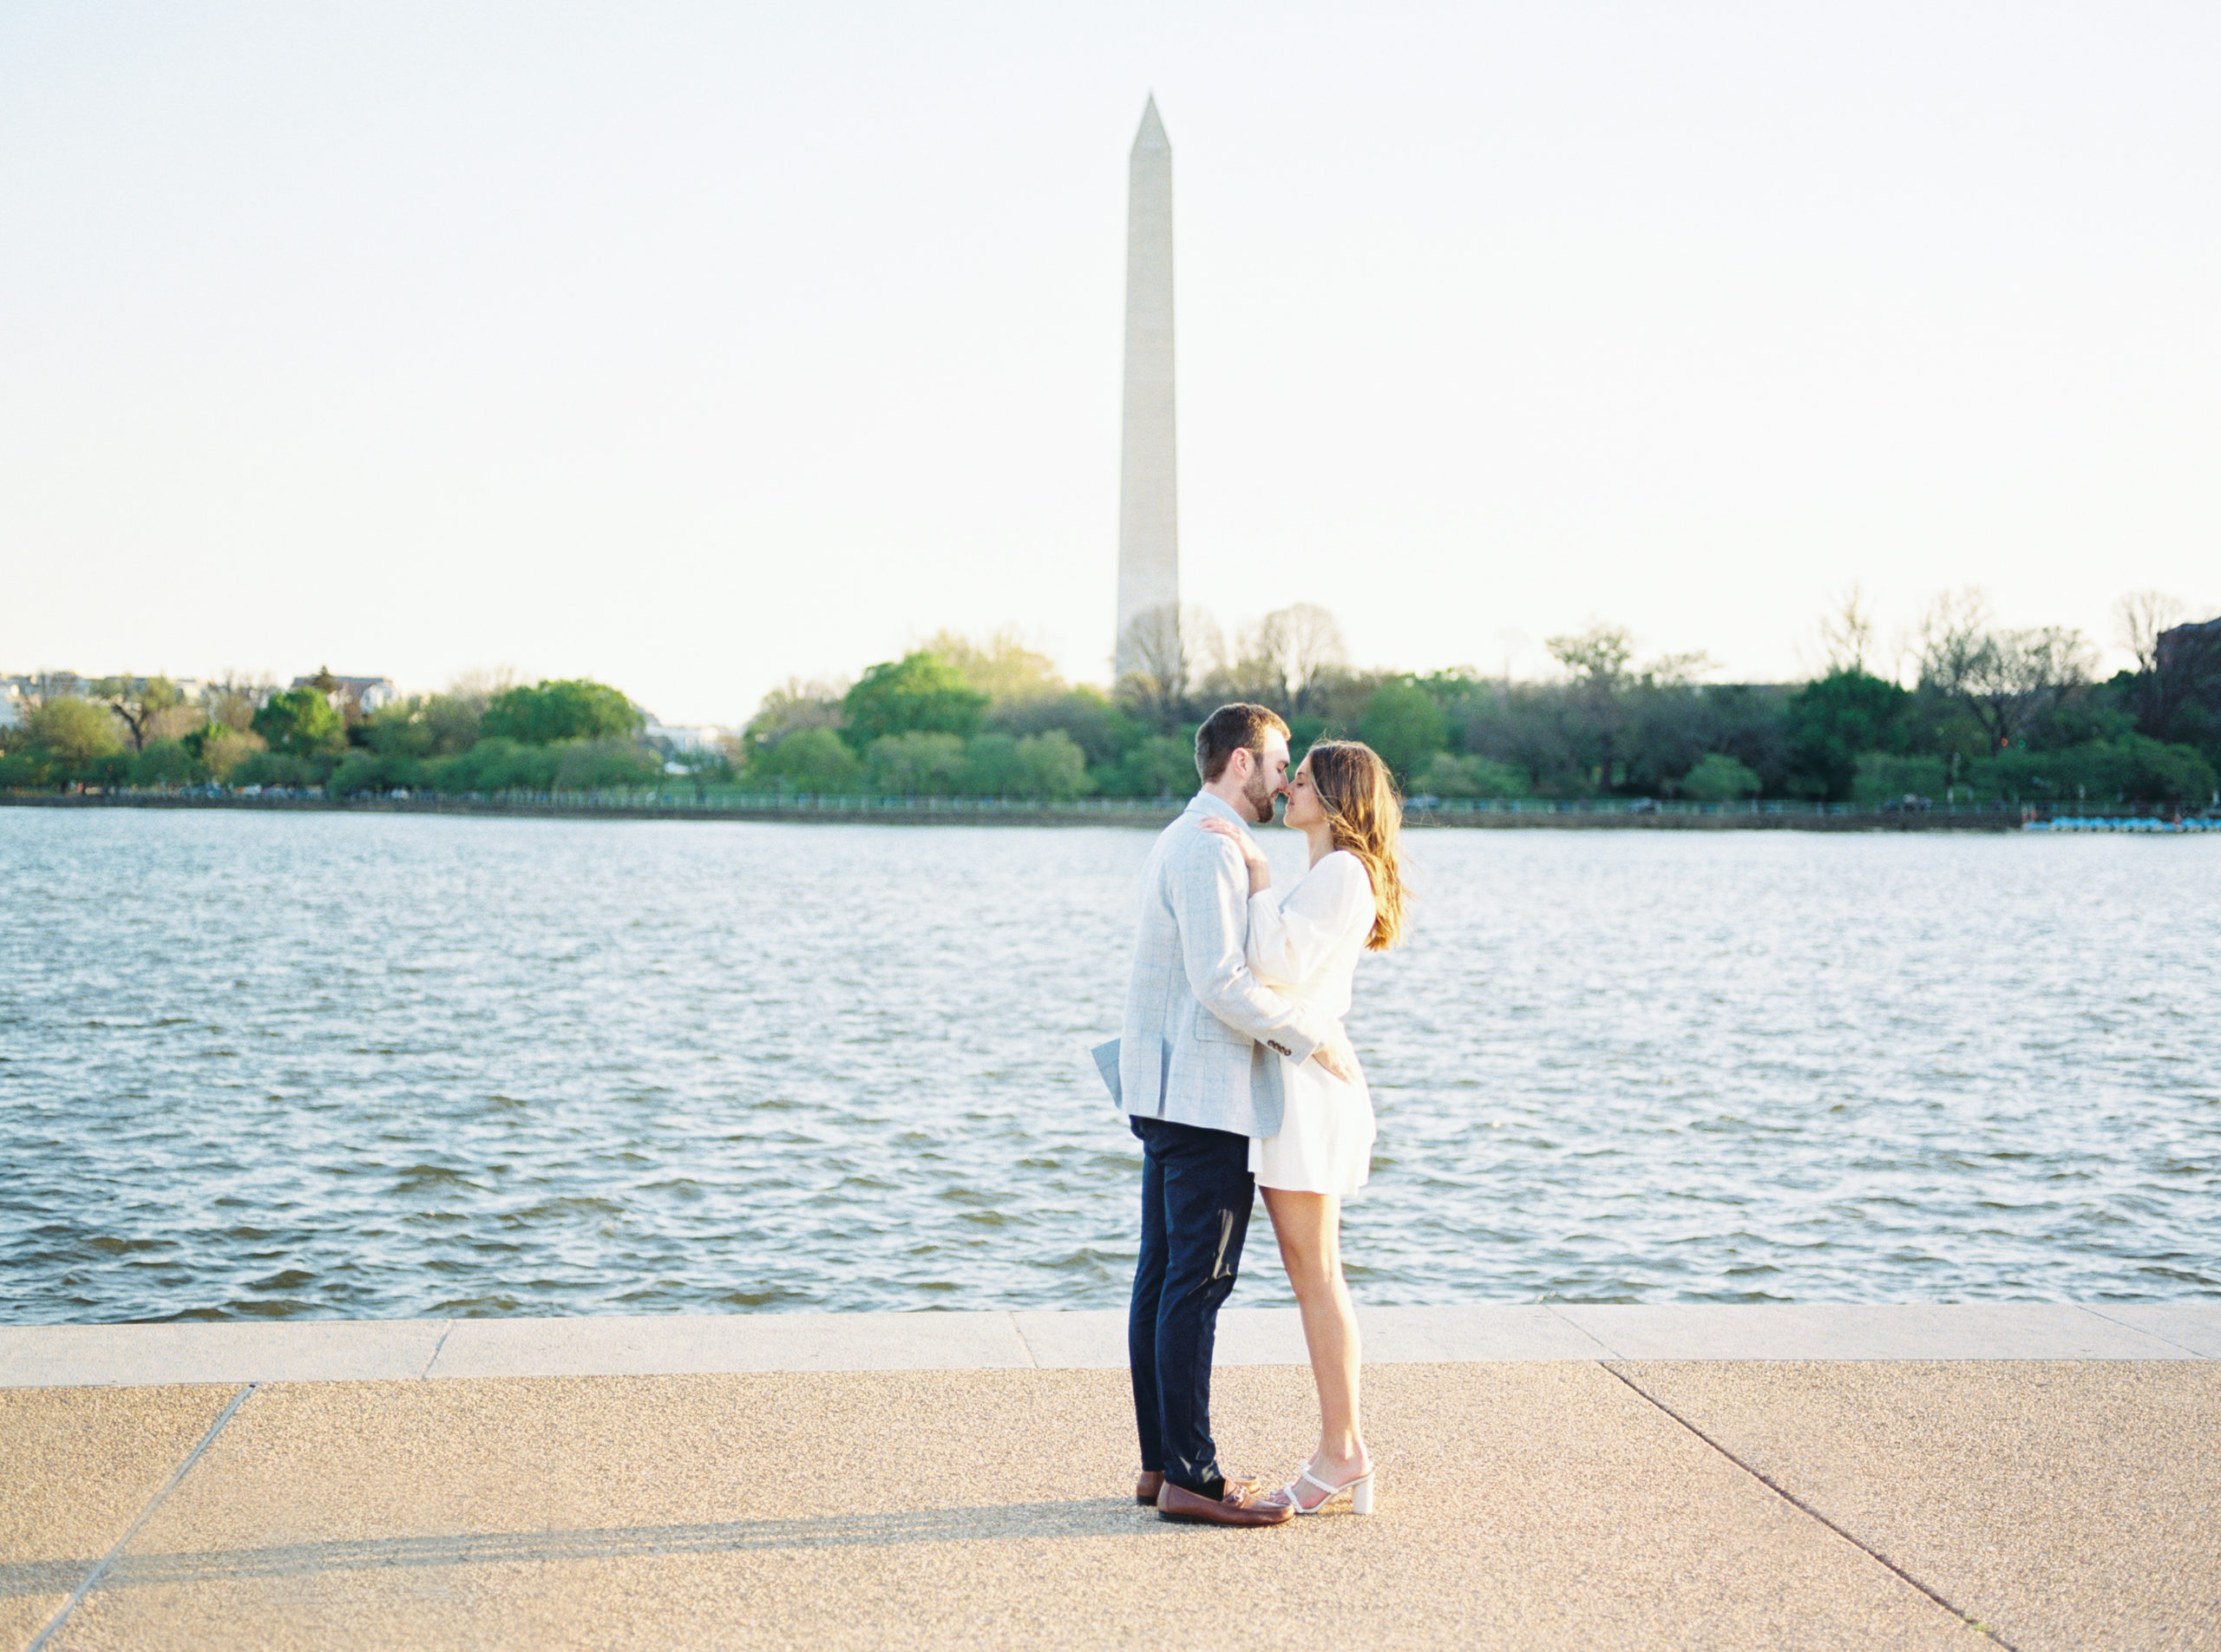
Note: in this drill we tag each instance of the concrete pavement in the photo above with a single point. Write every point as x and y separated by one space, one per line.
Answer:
1784 1486
677 1344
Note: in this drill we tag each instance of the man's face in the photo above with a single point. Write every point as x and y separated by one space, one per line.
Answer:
1267 778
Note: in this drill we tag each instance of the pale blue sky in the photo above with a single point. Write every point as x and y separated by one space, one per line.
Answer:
691 347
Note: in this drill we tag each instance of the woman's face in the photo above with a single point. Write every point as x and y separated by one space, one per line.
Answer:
1303 808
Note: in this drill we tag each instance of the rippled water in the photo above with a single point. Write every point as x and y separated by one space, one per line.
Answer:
270 1065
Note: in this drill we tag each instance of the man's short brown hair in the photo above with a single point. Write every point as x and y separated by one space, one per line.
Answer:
1238 727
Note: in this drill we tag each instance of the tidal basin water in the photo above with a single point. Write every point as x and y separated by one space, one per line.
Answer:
264 1065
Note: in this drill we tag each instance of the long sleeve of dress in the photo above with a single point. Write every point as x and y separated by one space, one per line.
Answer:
1290 938
1208 899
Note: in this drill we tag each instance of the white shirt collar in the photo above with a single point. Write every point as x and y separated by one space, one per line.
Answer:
1205 803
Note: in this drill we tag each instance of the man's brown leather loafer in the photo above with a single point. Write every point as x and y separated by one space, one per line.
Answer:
1146 1488
1246 1504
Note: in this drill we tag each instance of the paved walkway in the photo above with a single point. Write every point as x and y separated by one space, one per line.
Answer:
2030 1475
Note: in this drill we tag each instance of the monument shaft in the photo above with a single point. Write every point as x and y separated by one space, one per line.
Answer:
1149 517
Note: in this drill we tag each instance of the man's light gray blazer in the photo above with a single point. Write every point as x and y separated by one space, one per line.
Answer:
1202 1037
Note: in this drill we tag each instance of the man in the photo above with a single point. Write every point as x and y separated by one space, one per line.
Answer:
1196 1072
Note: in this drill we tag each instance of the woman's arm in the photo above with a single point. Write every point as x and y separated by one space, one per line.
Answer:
1291 936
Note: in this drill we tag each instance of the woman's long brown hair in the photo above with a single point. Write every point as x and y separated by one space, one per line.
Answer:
1365 815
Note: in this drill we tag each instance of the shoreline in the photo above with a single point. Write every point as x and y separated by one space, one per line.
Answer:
128 1355
1138 815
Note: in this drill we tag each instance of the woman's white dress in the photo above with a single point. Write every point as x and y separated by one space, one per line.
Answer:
1304 943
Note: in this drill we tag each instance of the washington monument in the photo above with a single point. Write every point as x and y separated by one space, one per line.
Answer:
1149 513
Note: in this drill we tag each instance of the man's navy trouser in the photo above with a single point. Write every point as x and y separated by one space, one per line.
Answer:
1196 1190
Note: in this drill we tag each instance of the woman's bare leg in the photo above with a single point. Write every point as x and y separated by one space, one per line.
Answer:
1309 1227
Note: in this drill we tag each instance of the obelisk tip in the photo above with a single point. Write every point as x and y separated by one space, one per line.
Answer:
1151 135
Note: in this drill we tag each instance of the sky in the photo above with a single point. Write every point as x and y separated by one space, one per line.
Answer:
692 348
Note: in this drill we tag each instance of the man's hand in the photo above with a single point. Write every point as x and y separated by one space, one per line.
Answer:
1337 1058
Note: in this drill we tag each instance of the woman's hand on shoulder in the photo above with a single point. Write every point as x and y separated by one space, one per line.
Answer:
1261 869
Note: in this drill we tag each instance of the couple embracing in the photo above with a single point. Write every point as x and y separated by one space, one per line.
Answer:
1233 1069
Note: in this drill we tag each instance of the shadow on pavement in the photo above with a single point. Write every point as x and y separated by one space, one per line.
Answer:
1092 1518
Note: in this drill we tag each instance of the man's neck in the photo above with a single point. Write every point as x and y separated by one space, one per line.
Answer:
1231 798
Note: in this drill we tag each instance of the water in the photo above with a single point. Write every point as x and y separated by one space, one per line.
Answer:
268 1065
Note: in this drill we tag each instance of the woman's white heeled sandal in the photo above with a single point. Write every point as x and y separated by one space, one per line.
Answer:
1360 1491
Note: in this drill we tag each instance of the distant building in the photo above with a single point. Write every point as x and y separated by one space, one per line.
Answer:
2189 647
696 737
37 687
355 696
13 708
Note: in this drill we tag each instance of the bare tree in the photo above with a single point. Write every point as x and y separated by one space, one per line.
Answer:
1304 644
234 698
2140 616
1679 671
1847 634
1251 672
2019 675
48 686
1000 665
1283 660
1166 649
1598 657
1953 639
793 706
481 687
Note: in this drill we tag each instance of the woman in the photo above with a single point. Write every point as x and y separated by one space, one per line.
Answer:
1305 944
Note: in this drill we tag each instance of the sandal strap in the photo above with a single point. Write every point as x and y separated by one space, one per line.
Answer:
1331 1491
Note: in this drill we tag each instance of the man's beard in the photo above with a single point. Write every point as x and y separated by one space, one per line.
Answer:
1258 793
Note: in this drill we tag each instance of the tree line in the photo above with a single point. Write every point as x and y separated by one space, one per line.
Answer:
482 737
1972 710
1991 713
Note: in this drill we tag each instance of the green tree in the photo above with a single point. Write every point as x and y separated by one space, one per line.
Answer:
430 725
222 748
139 702
76 732
1055 767
795 705
919 692
1885 776
606 766
1049 766
1447 775
1159 766
1835 720
1720 779
2133 768
27 770
1598 661
279 769
366 771
494 765
915 764
811 760
1100 729
166 763
1404 723
300 723
562 709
